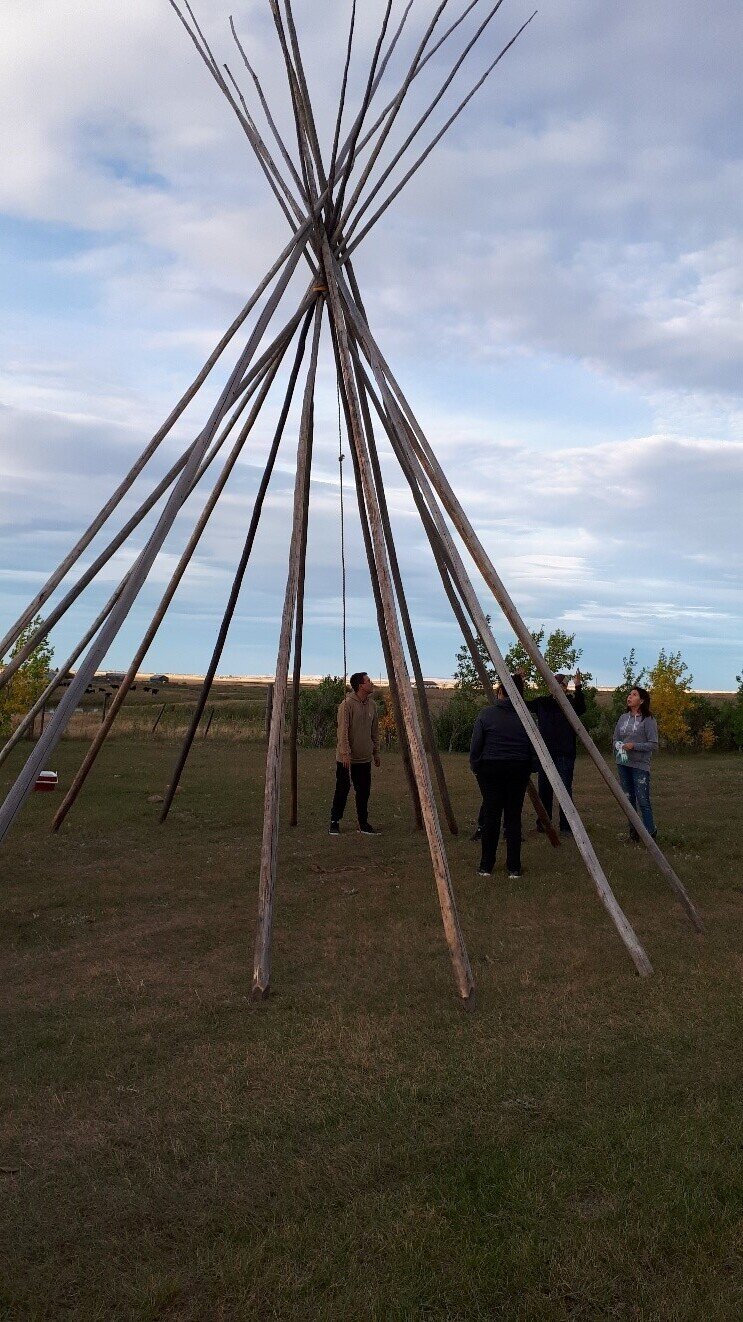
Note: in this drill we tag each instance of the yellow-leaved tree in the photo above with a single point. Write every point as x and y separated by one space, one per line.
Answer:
669 682
29 680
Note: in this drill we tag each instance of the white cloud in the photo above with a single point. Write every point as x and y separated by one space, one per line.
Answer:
582 223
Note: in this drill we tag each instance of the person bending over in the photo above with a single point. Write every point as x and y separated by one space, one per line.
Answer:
357 747
500 757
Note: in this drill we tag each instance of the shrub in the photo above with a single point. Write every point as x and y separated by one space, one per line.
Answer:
30 679
454 723
596 719
318 713
387 724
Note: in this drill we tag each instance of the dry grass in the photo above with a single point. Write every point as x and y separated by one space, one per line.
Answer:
359 1147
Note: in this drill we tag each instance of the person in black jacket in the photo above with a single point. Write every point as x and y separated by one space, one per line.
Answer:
559 737
500 757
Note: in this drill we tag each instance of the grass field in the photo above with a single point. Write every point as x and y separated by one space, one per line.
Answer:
359 1146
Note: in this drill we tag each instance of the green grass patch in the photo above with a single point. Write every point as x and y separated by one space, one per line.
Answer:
359 1147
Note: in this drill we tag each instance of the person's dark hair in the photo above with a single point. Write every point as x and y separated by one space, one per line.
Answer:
518 680
645 704
357 679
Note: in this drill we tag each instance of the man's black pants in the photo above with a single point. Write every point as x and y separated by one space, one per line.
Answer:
503 786
360 775
566 767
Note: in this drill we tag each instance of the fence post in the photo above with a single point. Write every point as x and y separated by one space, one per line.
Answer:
157 718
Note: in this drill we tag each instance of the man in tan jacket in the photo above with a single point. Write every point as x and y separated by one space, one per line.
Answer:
357 747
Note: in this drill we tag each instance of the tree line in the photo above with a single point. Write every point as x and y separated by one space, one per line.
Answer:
686 720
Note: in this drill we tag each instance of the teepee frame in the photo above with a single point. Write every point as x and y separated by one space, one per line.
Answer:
324 209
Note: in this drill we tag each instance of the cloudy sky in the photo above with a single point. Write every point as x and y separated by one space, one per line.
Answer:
559 291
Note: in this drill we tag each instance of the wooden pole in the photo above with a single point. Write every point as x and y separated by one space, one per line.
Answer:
442 564
424 457
263 367
66 564
298 628
464 587
270 119
340 214
383 638
27 778
429 734
269 847
165 601
379 183
455 941
484 677
61 674
303 134
273 176
239 574
426 153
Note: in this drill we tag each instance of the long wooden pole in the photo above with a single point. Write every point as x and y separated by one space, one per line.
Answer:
157 619
442 488
439 554
272 796
580 835
426 153
380 182
27 777
429 735
484 677
303 115
341 214
379 607
69 560
246 388
455 940
239 573
274 178
62 673
464 587
298 630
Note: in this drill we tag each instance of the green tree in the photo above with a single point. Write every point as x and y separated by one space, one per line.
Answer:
669 682
631 677
560 653
466 678
29 680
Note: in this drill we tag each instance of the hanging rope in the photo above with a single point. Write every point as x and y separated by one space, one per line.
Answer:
341 457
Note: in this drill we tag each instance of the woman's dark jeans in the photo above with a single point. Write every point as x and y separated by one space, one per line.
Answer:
503 786
635 782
